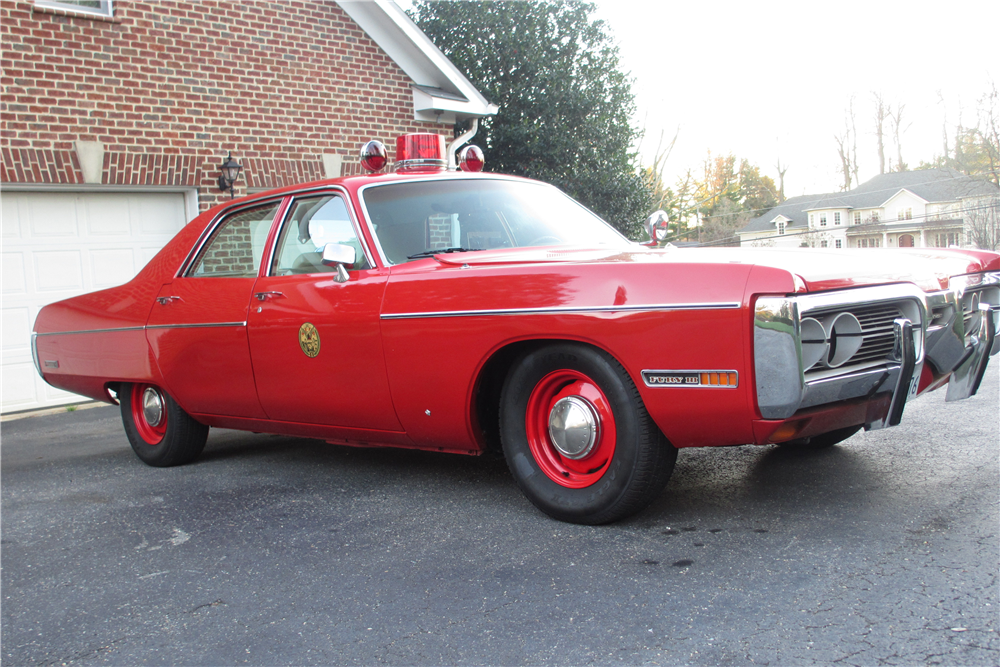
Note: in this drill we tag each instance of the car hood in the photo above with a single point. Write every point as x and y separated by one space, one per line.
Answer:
819 269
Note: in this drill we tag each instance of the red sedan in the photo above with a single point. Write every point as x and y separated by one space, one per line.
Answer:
468 312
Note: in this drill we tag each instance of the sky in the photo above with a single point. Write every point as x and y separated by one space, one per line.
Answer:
772 80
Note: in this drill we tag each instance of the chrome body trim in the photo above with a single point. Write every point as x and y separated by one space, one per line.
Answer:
87 331
34 354
200 325
561 310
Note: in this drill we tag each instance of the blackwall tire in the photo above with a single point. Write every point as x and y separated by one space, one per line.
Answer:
619 473
160 432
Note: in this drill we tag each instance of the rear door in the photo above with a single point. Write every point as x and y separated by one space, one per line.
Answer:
198 325
315 342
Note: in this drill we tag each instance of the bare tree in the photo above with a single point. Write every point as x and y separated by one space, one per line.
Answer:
982 222
781 181
844 151
989 131
847 148
896 116
881 114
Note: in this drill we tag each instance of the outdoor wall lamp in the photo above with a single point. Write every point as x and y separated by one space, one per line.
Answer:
229 172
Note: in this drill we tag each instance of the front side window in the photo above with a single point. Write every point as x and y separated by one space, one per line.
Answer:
311 224
417 218
237 245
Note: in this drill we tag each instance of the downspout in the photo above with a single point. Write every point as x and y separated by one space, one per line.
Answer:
457 143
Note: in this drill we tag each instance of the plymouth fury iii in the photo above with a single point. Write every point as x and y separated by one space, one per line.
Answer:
468 312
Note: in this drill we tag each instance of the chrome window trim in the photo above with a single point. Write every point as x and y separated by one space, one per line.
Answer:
561 310
453 176
210 228
309 194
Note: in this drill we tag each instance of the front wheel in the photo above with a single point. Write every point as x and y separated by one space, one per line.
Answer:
577 437
160 432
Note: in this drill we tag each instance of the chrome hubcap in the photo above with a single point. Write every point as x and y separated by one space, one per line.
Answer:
152 406
573 426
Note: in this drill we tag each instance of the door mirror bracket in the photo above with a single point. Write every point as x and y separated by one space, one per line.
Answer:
338 254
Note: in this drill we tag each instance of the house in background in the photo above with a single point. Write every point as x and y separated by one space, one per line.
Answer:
117 115
909 209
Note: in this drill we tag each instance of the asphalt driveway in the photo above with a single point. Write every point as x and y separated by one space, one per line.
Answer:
273 550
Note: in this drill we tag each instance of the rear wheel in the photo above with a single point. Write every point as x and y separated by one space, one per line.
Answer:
823 440
160 432
577 437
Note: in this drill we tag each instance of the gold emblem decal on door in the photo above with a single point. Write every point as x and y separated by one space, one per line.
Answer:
309 340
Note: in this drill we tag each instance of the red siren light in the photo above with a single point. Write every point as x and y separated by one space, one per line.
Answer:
374 156
471 158
420 152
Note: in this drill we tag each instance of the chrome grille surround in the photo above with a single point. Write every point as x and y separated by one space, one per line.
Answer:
784 387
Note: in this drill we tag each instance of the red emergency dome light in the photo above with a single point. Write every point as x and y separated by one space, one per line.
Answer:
420 152
374 156
471 159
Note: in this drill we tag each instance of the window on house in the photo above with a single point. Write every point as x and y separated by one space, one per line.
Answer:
836 218
812 219
870 242
822 219
93 7
781 227
905 214
857 217
874 216
838 243
823 244
947 239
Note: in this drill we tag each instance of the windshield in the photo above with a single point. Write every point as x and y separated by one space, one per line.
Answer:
417 218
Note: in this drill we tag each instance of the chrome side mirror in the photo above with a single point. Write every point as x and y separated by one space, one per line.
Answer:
657 227
338 254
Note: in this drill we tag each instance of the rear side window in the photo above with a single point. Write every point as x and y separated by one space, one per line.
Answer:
237 245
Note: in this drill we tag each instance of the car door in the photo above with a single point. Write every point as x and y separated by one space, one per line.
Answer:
315 342
197 328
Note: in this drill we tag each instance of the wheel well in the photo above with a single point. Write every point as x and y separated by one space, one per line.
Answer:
489 386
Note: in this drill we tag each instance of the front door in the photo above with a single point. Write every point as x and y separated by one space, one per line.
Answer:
316 343
197 327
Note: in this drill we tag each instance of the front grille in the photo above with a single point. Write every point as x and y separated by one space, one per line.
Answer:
877 330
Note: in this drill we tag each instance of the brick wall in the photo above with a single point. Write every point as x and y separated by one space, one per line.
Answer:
170 87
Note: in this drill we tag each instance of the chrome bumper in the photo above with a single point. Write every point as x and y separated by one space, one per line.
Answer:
784 388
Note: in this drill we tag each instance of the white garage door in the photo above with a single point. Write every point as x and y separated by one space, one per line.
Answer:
60 244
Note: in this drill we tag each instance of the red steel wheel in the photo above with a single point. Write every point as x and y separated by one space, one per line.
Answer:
577 437
149 413
160 431
570 428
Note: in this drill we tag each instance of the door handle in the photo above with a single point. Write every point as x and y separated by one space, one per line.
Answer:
164 300
264 296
